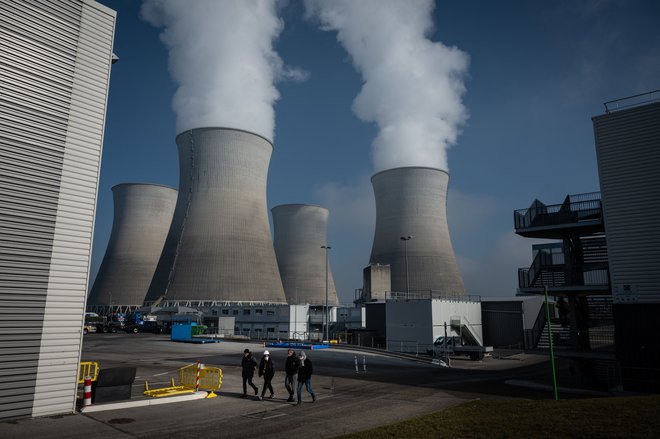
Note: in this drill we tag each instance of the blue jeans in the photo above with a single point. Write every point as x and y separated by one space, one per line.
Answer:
308 386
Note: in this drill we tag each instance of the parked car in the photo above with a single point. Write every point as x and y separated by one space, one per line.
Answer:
88 328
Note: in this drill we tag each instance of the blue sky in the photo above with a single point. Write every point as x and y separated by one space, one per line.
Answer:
538 72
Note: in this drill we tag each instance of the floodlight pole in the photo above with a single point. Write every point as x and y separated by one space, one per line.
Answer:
326 316
405 240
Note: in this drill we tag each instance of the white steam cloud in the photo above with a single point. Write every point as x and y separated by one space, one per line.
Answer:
412 86
221 55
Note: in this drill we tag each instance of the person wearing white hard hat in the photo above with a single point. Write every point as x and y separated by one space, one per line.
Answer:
267 370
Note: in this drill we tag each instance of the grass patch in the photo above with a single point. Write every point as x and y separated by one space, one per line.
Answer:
625 417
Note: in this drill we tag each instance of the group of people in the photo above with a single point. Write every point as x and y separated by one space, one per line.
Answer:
298 369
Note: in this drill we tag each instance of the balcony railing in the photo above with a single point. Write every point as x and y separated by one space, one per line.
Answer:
632 101
574 209
556 277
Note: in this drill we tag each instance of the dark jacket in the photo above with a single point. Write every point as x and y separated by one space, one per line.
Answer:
291 365
248 364
266 368
305 370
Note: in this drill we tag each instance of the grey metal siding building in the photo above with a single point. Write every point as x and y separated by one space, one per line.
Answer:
628 151
142 218
54 74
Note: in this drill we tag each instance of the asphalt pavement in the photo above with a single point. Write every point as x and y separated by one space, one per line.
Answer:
385 389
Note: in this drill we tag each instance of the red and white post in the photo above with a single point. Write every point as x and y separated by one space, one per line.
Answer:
199 368
87 395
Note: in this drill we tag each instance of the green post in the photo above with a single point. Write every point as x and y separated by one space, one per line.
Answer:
552 351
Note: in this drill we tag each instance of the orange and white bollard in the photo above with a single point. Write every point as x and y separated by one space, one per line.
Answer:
87 395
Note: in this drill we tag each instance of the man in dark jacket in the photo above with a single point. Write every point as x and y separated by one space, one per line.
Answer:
249 365
291 369
267 370
305 376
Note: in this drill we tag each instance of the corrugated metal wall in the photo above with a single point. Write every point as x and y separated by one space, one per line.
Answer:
628 149
503 324
54 76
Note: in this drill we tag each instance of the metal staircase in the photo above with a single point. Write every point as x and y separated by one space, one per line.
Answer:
462 326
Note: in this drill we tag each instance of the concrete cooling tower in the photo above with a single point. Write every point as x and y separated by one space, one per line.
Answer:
300 231
142 218
411 201
219 247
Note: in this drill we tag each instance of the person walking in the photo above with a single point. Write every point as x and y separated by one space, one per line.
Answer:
267 370
305 376
291 369
249 365
562 308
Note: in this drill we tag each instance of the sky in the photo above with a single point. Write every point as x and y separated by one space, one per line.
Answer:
529 77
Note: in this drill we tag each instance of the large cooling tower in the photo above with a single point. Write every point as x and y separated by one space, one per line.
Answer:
300 231
219 247
142 218
411 201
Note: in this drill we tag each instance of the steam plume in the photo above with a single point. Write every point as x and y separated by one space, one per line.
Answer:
221 55
412 86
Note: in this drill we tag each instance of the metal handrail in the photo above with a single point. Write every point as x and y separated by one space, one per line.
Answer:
431 294
651 98
578 211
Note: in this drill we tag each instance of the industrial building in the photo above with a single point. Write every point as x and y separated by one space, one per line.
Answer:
628 150
284 322
219 247
412 285
606 263
55 71
413 325
142 218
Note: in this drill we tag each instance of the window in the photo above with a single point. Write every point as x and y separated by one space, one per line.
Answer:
258 312
225 312
234 312
270 330
270 312
246 312
214 312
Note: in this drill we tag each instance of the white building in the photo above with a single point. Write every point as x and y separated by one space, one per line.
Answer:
264 321
413 325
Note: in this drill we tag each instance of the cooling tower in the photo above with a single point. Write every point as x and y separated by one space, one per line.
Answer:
300 231
219 247
142 218
411 201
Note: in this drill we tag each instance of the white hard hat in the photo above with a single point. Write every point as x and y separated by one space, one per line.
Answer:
266 353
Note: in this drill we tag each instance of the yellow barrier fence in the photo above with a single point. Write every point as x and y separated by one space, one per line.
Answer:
210 378
88 368
166 391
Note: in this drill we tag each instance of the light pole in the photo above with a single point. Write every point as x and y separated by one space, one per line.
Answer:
326 318
405 240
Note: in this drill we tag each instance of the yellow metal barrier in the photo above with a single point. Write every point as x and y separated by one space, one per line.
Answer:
166 391
209 377
88 368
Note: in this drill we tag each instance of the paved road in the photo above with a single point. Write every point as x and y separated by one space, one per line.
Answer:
392 389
